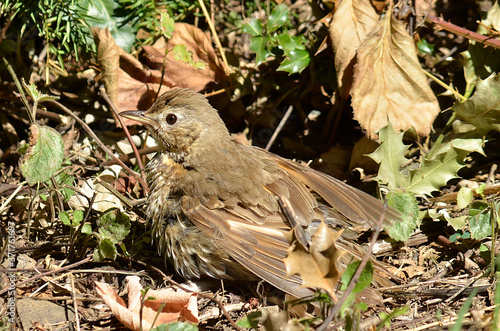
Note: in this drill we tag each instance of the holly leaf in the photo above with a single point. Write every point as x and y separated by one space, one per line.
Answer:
436 171
482 109
316 265
253 28
296 61
390 156
278 17
259 46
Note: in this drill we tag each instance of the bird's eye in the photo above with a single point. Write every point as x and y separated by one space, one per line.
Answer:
171 119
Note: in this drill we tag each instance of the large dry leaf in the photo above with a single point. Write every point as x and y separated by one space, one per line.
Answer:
195 72
178 305
317 266
352 22
389 83
134 85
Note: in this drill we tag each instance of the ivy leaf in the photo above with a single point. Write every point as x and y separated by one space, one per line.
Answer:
390 157
278 17
482 109
44 156
114 225
105 250
253 28
296 61
480 220
259 46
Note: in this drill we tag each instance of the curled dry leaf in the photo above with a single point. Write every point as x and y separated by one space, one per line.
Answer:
178 305
352 22
389 83
317 266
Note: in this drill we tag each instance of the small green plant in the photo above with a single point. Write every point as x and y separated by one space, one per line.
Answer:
273 39
112 227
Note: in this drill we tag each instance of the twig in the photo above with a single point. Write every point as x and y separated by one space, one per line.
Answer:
491 175
99 142
7 202
125 129
87 259
355 278
488 41
216 37
279 128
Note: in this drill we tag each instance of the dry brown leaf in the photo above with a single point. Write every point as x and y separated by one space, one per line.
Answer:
108 56
134 85
317 265
179 305
390 84
352 22
178 72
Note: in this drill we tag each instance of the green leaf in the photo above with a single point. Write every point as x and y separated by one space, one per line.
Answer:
181 53
278 17
390 156
435 172
77 217
480 221
464 197
101 14
259 46
253 28
288 43
64 216
250 321
114 225
482 109
365 279
407 204
87 229
105 250
44 156
424 47
167 24
296 61
176 326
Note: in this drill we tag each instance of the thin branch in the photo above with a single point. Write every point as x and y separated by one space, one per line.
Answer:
99 142
488 41
279 128
216 37
125 129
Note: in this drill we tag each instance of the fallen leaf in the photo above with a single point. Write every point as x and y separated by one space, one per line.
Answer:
195 65
177 305
389 84
108 56
316 265
352 22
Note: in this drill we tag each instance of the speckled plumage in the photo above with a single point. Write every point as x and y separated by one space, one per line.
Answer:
216 206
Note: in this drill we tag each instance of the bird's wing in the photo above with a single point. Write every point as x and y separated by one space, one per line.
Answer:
355 204
260 249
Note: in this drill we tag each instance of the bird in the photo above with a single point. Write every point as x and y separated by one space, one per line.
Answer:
221 209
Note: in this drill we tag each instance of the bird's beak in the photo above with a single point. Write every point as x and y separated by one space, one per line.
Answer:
137 115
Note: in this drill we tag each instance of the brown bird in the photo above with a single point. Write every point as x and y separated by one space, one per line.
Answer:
218 208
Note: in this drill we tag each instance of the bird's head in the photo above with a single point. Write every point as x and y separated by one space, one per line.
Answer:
180 119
